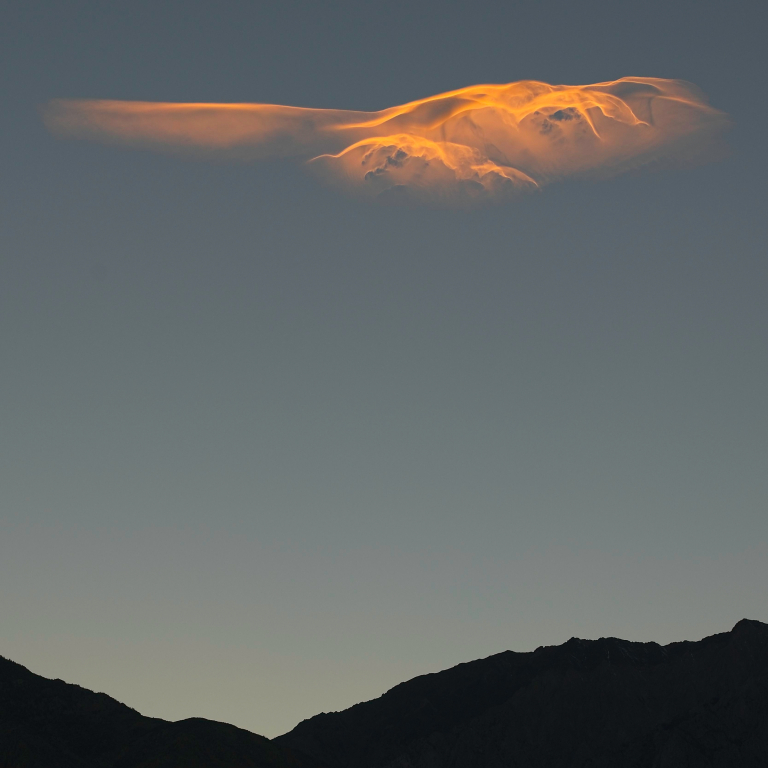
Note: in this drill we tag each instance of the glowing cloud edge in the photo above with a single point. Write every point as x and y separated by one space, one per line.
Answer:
471 143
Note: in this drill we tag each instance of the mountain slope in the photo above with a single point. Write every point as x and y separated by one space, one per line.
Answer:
585 703
594 704
51 724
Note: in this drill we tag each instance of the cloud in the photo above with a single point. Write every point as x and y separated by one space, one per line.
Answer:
474 143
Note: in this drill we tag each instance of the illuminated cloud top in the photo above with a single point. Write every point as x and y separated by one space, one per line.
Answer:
468 144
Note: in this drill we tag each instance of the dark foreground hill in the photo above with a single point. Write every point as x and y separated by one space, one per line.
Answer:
51 724
586 704
590 704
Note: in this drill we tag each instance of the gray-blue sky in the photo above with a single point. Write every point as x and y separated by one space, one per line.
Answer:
269 451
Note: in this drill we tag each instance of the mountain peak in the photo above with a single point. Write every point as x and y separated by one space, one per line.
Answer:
601 703
751 626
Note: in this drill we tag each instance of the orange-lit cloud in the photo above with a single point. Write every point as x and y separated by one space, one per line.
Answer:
471 143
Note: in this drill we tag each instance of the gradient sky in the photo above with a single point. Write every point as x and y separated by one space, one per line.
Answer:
268 450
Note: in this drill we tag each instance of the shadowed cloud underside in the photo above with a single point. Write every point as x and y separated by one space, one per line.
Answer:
470 144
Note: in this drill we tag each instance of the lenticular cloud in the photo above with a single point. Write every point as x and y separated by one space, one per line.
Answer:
474 143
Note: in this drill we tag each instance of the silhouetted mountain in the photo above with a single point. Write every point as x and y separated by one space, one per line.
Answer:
51 724
585 704
594 704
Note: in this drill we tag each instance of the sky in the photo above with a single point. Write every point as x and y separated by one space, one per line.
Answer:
270 447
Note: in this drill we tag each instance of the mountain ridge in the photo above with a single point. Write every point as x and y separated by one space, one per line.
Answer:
47 723
585 702
606 703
